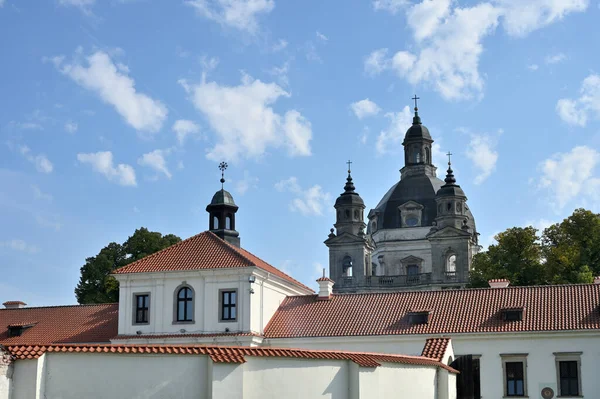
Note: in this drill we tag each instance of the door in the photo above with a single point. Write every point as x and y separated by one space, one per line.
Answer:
467 382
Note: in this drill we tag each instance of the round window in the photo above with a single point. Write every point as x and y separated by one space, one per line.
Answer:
412 221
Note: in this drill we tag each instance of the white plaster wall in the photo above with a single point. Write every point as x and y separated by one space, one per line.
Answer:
124 376
24 379
274 378
4 382
265 302
392 380
541 369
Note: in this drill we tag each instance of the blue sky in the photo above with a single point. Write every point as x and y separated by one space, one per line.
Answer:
115 115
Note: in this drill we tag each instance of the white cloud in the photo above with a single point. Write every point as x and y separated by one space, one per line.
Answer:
102 162
156 160
39 194
364 108
322 37
238 14
113 85
1 3
533 67
52 222
540 224
281 73
390 140
280 45
578 111
555 58
392 6
136 209
71 127
184 128
569 175
18 245
308 202
376 62
41 162
28 125
522 17
243 185
245 122
424 18
84 5
481 151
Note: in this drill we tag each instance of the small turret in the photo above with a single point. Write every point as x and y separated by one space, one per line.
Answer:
222 210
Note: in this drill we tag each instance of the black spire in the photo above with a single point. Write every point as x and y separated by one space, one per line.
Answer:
222 167
349 187
416 118
450 179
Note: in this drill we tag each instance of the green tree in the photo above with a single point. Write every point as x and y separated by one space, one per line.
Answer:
517 256
96 285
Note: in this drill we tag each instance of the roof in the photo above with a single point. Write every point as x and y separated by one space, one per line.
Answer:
60 324
324 279
547 308
8 303
435 348
202 251
222 197
227 354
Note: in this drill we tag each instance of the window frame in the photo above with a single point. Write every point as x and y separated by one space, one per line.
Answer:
135 308
514 358
222 305
568 357
176 304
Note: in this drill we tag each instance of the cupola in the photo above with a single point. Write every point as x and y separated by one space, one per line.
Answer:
417 148
350 208
221 211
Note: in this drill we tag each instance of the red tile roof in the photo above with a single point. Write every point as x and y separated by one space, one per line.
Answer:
324 279
14 303
228 354
202 251
435 348
60 324
548 308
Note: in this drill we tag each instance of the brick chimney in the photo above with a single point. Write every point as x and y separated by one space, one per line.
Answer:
14 304
499 283
597 280
325 287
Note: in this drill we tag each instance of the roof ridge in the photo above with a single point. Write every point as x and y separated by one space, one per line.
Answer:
64 306
233 249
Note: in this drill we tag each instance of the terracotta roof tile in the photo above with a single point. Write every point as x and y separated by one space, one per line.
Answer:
202 251
60 324
226 354
14 303
435 348
324 279
548 308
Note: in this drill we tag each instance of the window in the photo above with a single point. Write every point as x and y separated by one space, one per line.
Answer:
228 222
568 369
347 266
418 318
515 378
412 270
513 314
142 307
228 305
185 304
215 223
451 264
427 155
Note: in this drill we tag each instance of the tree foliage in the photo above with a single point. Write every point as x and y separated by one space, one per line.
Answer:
564 253
96 285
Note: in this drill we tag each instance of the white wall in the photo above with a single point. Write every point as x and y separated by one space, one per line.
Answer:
398 381
24 379
541 368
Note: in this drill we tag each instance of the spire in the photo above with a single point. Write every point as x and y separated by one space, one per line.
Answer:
450 173
222 167
349 187
416 118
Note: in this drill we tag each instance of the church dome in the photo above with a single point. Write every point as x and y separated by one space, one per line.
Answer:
349 196
450 189
222 197
417 132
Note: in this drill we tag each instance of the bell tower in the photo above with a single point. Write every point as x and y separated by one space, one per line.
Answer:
221 213
417 148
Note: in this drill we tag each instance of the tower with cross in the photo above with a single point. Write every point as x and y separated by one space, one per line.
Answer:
221 212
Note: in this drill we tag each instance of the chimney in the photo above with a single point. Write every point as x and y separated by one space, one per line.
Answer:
499 283
14 304
597 280
325 287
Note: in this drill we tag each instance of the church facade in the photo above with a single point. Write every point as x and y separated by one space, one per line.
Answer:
421 235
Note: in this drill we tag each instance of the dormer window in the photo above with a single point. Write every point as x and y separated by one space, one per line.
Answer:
512 314
418 317
411 214
16 330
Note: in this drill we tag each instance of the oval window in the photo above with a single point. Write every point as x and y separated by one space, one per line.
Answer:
412 221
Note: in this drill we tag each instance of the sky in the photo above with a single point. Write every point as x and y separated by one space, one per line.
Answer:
115 114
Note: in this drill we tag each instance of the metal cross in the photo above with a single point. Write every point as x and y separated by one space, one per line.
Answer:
349 163
449 155
222 167
416 98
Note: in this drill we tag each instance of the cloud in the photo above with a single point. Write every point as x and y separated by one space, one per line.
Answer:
41 162
243 185
112 84
84 5
390 139
184 128
28 125
18 245
309 202
481 151
244 121
156 160
533 67
52 222
523 17
540 224
364 108
569 175
237 14
578 111
376 62
555 58
38 194
322 37
1 3
71 127
280 45
281 73
102 162
392 6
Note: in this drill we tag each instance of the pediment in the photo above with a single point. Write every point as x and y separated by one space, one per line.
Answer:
411 205
345 238
411 259
448 232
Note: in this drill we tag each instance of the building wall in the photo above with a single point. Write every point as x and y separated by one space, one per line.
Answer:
24 380
398 380
539 347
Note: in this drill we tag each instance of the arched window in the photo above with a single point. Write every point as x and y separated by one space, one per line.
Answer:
185 302
215 222
451 264
427 155
228 222
347 266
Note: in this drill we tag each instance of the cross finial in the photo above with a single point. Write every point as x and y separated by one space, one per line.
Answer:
416 98
349 163
449 155
222 167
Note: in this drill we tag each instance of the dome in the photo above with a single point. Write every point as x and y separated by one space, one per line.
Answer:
417 132
222 197
349 196
450 189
